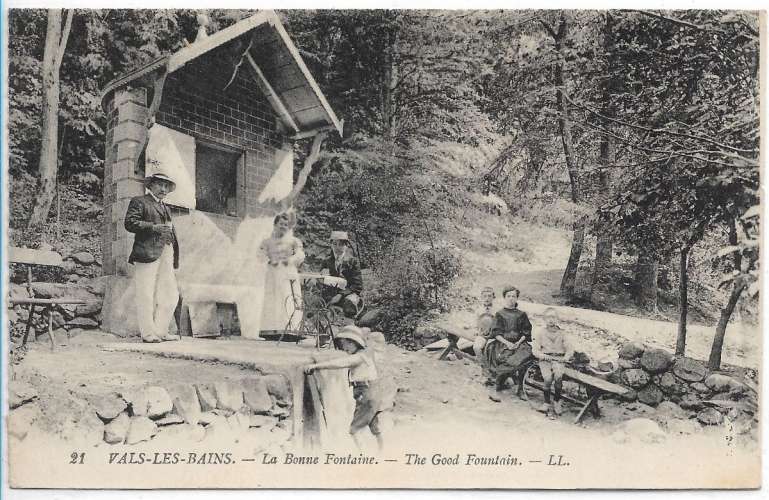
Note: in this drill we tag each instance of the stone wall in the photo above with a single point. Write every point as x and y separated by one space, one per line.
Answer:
683 385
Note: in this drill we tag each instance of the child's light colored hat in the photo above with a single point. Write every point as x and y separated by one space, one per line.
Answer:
351 332
340 235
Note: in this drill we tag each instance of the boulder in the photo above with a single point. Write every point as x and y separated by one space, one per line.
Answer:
635 378
629 396
718 382
690 370
670 384
82 322
229 396
116 431
710 416
88 309
631 350
651 395
85 258
186 404
152 402
45 290
690 402
629 364
278 387
371 318
264 421
206 397
700 388
109 407
656 360
140 429
20 393
256 396
427 334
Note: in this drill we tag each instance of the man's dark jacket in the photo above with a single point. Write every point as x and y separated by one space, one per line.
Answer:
144 212
349 270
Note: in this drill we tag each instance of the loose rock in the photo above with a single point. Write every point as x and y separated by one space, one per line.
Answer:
627 364
669 384
690 402
88 309
109 407
635 378
186 404
718 382
116 431
700 387
85 258
141 429
153 402
278 387
656 360
651 395
690 370
206 396
256 396
229 396
668 410
81 322
631 350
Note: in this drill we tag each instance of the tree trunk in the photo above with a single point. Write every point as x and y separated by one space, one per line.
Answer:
646 280
599 284
714 361
683 301
570 274
564 127
55 43
388 86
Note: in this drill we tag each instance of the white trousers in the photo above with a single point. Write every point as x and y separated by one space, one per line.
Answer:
156 294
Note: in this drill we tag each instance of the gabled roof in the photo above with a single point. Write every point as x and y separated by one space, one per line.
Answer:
277 67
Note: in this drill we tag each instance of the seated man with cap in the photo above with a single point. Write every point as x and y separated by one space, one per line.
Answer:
343 264
155 255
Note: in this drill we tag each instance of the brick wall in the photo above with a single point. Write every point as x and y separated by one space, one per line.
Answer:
196 103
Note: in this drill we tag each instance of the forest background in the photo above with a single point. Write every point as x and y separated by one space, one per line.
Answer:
634 132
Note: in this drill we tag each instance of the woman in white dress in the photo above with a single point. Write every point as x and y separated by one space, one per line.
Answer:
284 254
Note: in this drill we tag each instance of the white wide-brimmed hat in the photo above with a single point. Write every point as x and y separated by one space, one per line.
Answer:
351 332
160 176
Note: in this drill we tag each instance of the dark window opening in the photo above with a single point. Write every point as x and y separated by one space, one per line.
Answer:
216 176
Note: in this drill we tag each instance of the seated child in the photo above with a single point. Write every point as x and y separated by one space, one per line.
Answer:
484 316
507 345
553 349
370 399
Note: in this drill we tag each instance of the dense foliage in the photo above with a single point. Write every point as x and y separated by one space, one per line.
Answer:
643 125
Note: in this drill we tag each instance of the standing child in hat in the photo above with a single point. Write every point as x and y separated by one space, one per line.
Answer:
370 400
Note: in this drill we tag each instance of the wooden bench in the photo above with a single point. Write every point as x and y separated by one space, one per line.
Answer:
31 257
594 388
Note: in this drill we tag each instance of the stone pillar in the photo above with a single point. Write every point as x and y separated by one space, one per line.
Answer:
123 179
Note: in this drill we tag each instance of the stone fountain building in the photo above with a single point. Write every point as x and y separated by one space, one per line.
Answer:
221 115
